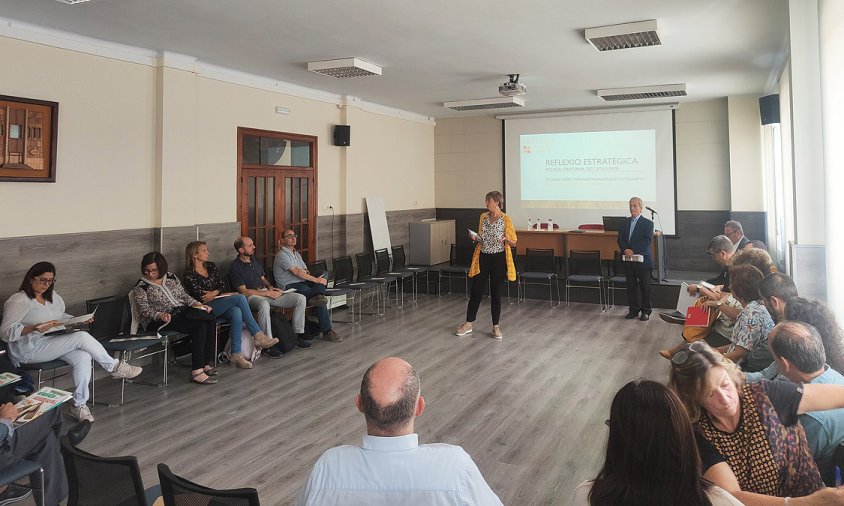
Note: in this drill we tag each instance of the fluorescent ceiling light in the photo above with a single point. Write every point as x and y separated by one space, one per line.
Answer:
345 67
643 92
624 36
485 103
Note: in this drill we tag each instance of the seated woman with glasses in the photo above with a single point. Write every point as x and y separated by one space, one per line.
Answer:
750 440
204 282
652 457
31 313
160 299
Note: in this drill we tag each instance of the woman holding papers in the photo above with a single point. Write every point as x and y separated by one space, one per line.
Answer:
160 300
205 283
493 260
31 313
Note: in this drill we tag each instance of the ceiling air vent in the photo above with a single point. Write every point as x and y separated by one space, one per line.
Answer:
643 92
485 103
624 36
345 67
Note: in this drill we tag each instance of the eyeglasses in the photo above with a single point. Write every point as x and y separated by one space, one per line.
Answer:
45 281
682 356
289 235
151 271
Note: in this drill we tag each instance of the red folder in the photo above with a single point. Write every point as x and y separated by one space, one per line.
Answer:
697 316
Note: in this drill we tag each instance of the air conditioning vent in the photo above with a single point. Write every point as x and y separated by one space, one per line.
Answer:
485 103
345 68
643 92
624 36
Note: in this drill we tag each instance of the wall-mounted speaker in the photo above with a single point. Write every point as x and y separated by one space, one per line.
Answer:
341 135
769 109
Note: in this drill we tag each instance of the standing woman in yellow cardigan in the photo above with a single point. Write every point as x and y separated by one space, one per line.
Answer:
492 259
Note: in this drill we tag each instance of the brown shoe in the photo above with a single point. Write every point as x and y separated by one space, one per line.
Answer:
264 341
239 361
665 354
330 335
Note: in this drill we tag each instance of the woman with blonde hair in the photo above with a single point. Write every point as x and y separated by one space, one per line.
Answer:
493 260
749 438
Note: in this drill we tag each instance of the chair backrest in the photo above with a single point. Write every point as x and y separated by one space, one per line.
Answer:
318 268
343 271
113 316
382 261
585 262
101 480
178 491
364 265
540 260
591 226
398 257
460 256
617 264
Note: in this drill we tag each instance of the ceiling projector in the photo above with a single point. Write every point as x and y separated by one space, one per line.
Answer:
512 88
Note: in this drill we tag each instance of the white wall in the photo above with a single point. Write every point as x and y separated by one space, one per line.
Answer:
747 180
106 131
703 156
146 145
469 160
832 75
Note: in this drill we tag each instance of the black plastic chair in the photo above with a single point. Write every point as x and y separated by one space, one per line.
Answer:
396 279
104 480
585 272
111 328
363 262
399 261
344 278
167 336
321 266
459 260
22 469
178 491
540 269
616 277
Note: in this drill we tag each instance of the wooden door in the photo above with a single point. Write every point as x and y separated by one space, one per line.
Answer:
277 190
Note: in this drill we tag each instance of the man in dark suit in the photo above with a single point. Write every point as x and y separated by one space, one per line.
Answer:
634 238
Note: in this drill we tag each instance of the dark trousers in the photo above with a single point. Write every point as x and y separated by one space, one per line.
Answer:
202 333
493 267
638 287
309 289
38 441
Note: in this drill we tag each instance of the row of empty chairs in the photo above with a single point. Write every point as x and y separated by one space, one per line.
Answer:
540 267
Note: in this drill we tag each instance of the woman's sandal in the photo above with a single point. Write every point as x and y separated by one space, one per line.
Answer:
206 381
211 371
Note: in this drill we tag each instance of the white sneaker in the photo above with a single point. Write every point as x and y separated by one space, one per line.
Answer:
125 371
81 413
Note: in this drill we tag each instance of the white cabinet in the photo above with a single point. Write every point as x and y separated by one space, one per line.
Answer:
430 242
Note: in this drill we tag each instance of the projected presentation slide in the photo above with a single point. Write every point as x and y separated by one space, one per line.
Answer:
593 167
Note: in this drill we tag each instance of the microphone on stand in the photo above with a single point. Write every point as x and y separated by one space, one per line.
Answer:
651 210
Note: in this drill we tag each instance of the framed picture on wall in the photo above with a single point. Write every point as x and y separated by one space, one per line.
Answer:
28 133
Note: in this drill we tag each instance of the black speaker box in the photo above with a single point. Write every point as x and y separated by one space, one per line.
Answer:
769 109
341 135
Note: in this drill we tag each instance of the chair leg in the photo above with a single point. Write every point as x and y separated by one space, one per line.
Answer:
36 482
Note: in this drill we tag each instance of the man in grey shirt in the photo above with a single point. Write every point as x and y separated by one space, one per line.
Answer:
290 271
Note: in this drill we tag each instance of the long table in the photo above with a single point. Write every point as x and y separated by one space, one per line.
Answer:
563 241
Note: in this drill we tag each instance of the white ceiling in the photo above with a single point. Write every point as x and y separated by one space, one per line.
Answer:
435 51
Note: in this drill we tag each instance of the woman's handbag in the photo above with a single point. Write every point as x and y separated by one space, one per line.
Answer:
692 333
192 313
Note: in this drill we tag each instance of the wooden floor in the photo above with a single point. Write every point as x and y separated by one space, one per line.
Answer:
529 409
